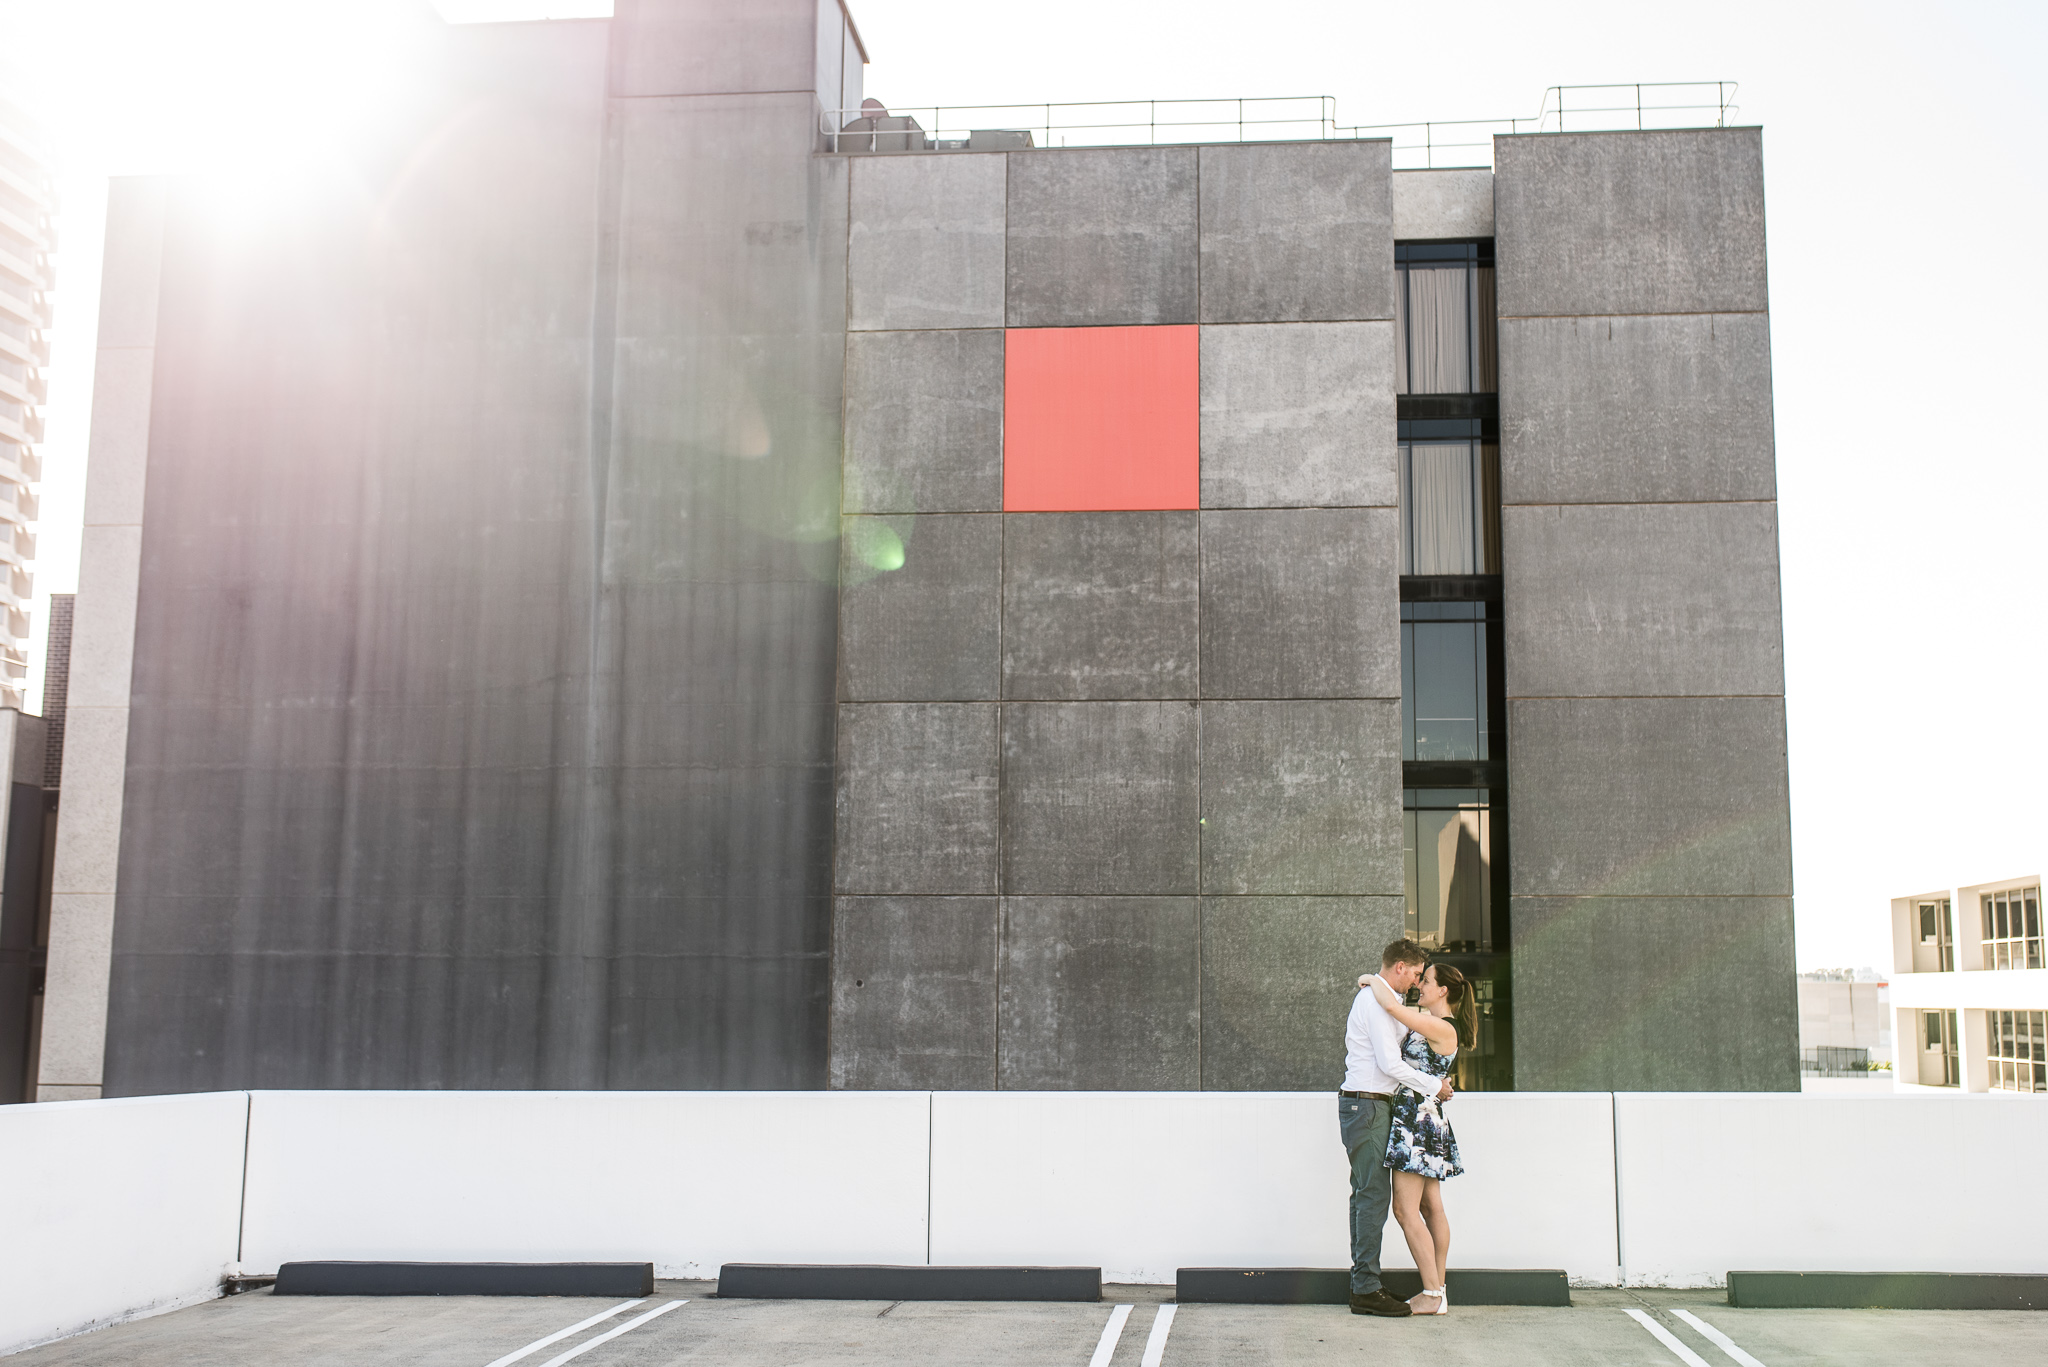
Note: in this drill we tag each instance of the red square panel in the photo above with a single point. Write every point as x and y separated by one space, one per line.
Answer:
1101 419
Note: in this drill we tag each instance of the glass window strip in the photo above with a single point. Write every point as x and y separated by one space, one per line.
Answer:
2012 928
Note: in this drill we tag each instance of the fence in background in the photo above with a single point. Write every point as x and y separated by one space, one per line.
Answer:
1421 145
128 1207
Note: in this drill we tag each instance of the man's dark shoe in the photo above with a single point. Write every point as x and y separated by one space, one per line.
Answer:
1380 1303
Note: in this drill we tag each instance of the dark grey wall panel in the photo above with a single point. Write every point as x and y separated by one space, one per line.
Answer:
917 798
1301 797
1645 994
929 629
1099 797
1100 994
914 993
1298 415
925 241
1643 600
1102 236
1100 605
1653 796
1663 409
1278 978
1600 223
482 737
1297 232
924 421
1301 603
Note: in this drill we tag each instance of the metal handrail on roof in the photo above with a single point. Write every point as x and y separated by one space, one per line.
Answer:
1432 143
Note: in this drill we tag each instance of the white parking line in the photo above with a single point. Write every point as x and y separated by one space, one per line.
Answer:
1668 1339
561 1334
1105 1349
610 1334
1719 1339
1155 1345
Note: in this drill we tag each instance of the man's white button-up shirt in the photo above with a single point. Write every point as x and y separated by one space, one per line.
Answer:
1372 1052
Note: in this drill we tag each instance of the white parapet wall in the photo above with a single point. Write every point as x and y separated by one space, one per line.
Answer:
133 1206
116 1209
1718 1182
1144 1183
685 1180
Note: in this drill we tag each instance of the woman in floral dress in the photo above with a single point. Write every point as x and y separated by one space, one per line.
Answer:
1421 1149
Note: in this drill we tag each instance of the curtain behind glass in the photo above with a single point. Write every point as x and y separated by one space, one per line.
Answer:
1439 329
1401 331
1439 505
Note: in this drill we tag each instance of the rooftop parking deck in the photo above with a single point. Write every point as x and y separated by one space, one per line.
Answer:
261 1330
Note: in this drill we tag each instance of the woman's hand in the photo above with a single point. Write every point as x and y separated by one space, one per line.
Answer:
1381 992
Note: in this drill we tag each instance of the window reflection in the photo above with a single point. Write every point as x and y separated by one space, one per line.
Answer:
1443 682
1447 858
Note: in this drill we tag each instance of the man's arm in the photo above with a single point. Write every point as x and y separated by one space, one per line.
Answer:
1385 1033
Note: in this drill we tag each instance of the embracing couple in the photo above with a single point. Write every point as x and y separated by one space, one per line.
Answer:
1397 1065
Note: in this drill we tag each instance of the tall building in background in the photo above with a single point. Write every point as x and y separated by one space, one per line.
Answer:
27 200
669 592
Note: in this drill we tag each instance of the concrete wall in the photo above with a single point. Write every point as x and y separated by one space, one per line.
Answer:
162 1197
479 729
1650 843
121 1209
1119 797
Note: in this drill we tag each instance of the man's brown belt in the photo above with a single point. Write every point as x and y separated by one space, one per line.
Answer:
1366 1096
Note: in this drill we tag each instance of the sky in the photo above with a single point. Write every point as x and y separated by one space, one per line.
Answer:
1901 165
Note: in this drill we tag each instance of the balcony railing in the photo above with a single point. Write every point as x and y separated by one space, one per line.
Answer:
1295 118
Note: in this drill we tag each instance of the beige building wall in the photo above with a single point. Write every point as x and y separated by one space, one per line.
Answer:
102 650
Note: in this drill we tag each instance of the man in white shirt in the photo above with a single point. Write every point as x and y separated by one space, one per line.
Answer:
1373 1070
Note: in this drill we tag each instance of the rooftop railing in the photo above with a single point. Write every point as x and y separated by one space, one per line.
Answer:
1427 144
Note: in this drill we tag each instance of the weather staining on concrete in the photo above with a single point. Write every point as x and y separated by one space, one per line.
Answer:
1099 605
1298 415
1100 994
1102 236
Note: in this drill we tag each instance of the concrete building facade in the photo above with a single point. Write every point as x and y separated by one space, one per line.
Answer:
649 601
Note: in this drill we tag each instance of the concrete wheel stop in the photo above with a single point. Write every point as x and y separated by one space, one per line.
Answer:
879 1282
1888 1290
464 1279
1332 1285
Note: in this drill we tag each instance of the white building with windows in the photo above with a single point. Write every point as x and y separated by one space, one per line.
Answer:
1970 988
26 241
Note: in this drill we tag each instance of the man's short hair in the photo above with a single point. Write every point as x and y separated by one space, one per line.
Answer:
1403 952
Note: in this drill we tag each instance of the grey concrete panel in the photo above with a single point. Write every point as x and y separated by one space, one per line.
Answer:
704 47
1297 231
1649 796
1102 236
1655 994
1664 409
1099 797
481 739
914 993
1646 599
1659 222
1100 605
929 629
1440 204
1100 994
925 242
1278 978
924 422
1298 415
1301 603
917 798
1301 797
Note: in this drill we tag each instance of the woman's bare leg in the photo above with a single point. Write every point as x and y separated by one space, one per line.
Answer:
1408 1188
1439 1221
